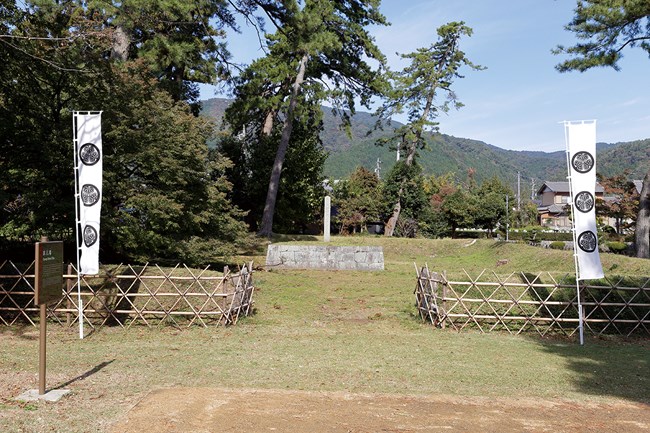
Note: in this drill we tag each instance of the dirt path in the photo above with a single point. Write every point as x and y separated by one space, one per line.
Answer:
242 411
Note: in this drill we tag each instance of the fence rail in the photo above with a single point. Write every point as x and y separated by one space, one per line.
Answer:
542 302
127 295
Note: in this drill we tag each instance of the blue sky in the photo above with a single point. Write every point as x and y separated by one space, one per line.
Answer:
519 101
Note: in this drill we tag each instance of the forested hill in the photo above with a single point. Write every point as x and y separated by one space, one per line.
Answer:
334 137
447 154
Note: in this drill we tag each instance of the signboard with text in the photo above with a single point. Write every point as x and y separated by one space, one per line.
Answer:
48 279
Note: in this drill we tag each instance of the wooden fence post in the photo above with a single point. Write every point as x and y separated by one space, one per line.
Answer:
443 323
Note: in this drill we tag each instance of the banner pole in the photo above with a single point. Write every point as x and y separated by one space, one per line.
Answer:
77 222
42 349
573 232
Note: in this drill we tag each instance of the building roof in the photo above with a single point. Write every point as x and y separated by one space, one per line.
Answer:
562 187
554 209
638 184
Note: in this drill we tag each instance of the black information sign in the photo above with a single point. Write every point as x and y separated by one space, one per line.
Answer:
49 272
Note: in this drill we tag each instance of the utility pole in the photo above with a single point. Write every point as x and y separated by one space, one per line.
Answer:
532 189
507 220
518 191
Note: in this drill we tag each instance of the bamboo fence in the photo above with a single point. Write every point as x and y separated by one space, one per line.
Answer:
127 295
543 303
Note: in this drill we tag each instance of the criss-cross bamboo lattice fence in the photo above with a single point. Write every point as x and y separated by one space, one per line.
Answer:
542 302
127 295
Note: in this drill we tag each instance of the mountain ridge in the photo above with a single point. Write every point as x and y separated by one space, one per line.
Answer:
449 154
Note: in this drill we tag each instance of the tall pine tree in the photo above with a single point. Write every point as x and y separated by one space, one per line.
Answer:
318 53
423 90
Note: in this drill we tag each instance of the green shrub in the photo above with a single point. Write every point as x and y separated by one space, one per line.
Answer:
471 234
540 236
557 245
617 247
608 229
629 237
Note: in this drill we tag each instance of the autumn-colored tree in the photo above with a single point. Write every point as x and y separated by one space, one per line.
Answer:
621 202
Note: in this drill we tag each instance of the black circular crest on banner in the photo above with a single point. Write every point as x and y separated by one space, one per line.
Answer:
89 194
587 241
582 162
90 236
89 154
584 201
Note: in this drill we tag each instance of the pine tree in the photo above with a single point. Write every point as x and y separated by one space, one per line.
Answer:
608 27
182 42
317 42
423 90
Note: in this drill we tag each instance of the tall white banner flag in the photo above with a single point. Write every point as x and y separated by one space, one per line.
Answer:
88 160
581 145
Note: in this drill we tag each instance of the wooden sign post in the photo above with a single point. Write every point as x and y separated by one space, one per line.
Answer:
48 284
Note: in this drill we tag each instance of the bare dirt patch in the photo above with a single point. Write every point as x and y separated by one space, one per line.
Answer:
228 410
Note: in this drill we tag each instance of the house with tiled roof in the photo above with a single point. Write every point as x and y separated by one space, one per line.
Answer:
554 209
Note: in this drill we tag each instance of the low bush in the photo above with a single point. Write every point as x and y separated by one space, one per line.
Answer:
617 247
538 236
470 234
557 245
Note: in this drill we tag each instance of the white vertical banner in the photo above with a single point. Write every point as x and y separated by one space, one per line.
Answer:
88 161
581 158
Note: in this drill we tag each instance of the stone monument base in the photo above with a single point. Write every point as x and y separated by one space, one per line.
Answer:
325 257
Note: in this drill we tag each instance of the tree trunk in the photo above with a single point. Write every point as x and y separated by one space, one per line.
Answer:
274 182
412 147
389 229
410 157
642 236
120 44
268 123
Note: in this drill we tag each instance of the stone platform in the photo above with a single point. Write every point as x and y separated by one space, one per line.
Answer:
325 257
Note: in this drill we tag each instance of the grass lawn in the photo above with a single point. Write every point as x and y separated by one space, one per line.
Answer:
335 331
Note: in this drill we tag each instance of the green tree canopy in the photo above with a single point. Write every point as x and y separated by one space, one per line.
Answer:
358 200
607 27
182 43
423 88
404 192
46 67
490 199
163 197
418 88
252 144
320 51
459 209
